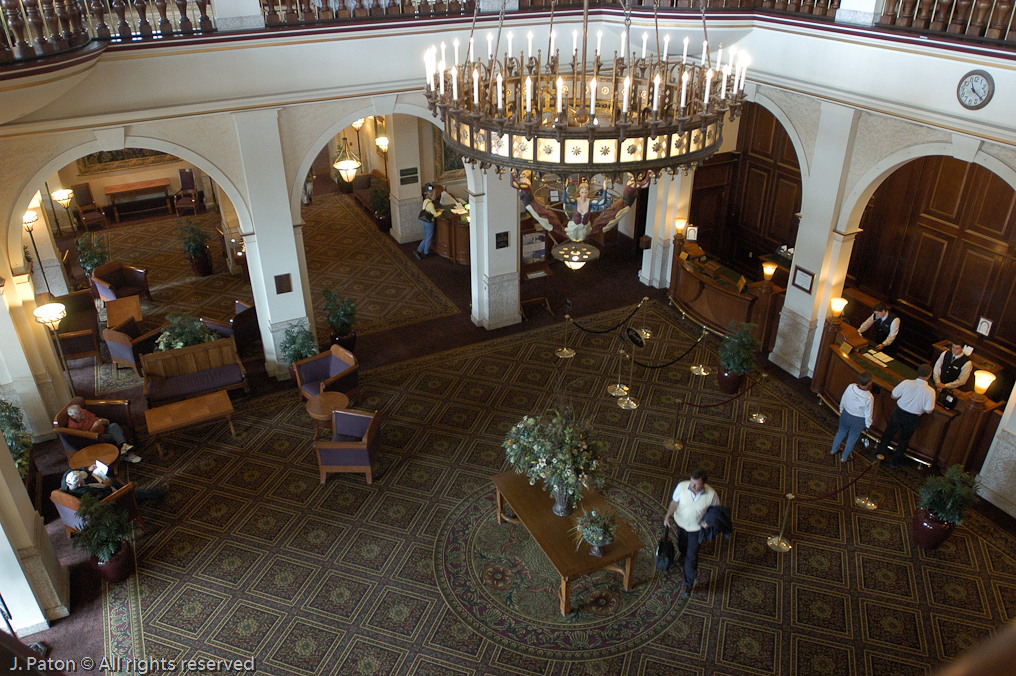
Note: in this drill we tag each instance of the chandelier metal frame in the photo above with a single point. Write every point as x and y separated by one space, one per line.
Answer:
628 114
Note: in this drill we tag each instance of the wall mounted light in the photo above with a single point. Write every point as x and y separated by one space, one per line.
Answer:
837 305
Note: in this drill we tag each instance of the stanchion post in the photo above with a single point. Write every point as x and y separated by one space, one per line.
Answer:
777 543
866 501
701 369
566 352
677 443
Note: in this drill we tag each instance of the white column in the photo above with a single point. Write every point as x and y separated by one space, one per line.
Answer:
237 15
819 249
34 585
670 198
859 12
997 477
404 153
272 256
494 273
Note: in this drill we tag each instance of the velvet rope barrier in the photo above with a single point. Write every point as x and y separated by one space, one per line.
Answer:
726 401
838 490
616 326
675 359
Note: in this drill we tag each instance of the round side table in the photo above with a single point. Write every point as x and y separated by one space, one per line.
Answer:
108 454
320 407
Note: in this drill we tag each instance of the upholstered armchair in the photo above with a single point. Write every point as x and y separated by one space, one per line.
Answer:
354 444
243 326
90 214
126 344
67 506
78 332
117 280
336 370
114 410
187 197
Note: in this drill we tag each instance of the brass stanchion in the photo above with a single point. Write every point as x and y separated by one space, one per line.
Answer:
677 444
866 501
758 416
700 369
566 352
777 543
628 402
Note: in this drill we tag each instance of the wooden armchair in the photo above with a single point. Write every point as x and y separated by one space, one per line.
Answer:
89 212
353 446
78 332
118 280
114 410
67 506
187 198
336 370
126 344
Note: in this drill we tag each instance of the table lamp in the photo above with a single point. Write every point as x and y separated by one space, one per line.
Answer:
837 305
982 381
768 270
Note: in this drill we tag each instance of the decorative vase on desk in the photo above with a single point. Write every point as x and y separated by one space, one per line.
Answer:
563 500
597 528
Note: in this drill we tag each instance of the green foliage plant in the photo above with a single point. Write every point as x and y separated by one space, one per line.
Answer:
340 311
596 528
378 196
195 240
297 343
557 449
92 252
738 349
12 425
184 330
106 527
949 496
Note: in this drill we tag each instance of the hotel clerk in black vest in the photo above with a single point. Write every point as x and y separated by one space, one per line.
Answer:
952 370
885 329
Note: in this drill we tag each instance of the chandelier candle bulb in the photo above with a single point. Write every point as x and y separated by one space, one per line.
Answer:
656 93
666 46
592 98
684 91
529 95
476 88
560 91
624 100
706 91
733 52
553 38
684 56
455 44
440 70
490 46
499 101
645 42
472 54
599 41
723 91
455 84
705 52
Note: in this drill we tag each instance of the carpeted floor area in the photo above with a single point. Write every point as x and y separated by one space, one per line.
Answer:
249 556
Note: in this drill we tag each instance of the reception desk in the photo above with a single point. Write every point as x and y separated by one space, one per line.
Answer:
943 438
710 295
451 237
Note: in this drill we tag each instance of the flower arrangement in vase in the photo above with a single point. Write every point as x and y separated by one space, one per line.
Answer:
596 528
556 449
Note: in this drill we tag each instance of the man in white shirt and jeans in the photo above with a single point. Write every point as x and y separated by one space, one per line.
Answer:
913 398
688 506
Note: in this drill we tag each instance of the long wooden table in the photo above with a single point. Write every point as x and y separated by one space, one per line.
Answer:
170 417
124 190
533 508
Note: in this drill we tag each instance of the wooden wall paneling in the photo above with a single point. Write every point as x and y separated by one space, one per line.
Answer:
786 203
710 201
753 207
970 288
992 214
947 180
788 156
1003 330
762 133
925 259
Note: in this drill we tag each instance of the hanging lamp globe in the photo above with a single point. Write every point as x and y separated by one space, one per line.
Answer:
346 163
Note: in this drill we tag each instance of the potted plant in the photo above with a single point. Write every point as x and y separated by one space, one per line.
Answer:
737 356
340 313
556 449
104 537
941 505
297 343
12 425
380 204
92 252
182 331
195 246
596 528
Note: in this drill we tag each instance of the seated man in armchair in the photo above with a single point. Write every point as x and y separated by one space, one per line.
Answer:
88 481
111 433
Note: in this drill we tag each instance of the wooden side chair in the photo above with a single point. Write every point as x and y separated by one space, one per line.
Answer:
353 446
90 214
187 198
336 370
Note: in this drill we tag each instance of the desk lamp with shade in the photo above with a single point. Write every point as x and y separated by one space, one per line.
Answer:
51 314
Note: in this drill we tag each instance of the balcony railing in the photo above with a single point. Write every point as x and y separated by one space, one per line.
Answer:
38 28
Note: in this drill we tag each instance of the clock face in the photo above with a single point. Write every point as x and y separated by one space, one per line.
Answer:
975 89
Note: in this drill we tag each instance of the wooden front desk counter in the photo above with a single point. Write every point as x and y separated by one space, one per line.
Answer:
943 437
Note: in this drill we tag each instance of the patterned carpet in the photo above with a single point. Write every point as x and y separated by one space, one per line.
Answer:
248 555
344 250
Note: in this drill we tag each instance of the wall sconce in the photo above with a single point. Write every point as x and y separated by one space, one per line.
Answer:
837 305
982 381
51 314
768 270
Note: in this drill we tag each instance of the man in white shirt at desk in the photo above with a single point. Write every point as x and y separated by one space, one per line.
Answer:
913 398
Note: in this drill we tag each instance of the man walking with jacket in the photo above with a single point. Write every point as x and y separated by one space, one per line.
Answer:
688 507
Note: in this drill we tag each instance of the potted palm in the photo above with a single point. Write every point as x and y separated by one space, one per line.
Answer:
104 537
195 246
340 313
380 204
941 506
183 331
297 343
737 356
12 425
92 252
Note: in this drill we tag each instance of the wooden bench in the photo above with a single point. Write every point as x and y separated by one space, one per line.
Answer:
173 375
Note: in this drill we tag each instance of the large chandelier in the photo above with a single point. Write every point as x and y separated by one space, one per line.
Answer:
627 113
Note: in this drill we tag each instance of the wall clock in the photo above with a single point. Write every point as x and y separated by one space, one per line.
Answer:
975 90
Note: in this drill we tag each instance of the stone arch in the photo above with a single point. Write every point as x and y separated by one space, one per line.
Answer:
803 161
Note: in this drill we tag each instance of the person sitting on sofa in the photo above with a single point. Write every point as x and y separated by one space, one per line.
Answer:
111 433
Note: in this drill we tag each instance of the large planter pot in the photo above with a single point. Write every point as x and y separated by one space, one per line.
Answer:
202 265
346 340
383 221
729 382
929 530
119 567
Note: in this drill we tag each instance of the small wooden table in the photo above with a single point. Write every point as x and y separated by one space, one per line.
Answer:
123 190
320 407
107 454
534 506
189 412
120 310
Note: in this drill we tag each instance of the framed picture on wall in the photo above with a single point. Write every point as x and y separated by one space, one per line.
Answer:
691 234
803 279
447 165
